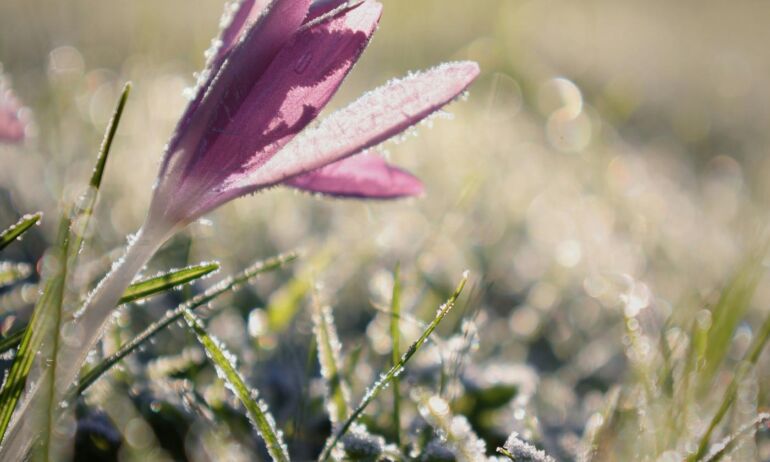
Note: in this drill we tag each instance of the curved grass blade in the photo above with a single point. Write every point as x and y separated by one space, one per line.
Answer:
137 292
256 408
72 234
166 281
395 339
109 136
86 203
757 345
47 310
226 285
11 341
720 449
394 371
21 226
337 391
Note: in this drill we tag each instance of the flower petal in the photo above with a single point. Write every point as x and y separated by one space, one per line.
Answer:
372 119
296 86
364 175
222 91
238 16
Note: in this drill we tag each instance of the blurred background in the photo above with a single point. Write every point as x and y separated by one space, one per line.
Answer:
603 182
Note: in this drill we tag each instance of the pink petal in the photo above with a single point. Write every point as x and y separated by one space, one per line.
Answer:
233 72
11 126
298 83
242 15
363 175
372 119
321 7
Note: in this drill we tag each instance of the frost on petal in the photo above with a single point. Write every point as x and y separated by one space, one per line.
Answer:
364 175
238 16
234 69
296 86
372 119
11 125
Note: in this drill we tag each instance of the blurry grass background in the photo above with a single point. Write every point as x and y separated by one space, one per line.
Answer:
610 164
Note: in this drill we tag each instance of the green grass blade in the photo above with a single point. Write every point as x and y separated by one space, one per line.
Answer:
226 285
729 311
21 226
395 339
393 372
337 391
109 136
137 292
166 281
85 205
11 341
721 449
256 409
47 310
757 346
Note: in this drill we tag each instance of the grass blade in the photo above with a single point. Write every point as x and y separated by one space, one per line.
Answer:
337 391
166 281
757 345
109 136
730 309
256 409
395 339
47 309
137 292
226 285
11 341
720 449
21 226
393 372
456 431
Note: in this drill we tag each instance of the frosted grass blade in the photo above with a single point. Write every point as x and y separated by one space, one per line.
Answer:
256 408
456 431
387 378
226 285
757 346
138 292
167 281
720 449
13 233
337 390
395 339
47 310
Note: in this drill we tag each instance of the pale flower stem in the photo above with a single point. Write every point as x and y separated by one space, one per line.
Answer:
95 316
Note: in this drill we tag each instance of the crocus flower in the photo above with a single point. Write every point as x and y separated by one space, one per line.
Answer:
265 84
11 125
275 67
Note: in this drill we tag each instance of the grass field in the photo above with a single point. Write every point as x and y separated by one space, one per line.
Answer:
604 182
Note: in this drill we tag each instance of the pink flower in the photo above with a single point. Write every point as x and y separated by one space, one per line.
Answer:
276 67
11 125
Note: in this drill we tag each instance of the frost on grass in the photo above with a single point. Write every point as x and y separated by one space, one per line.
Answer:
455 431
719 449
337 391
517 449
258 412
